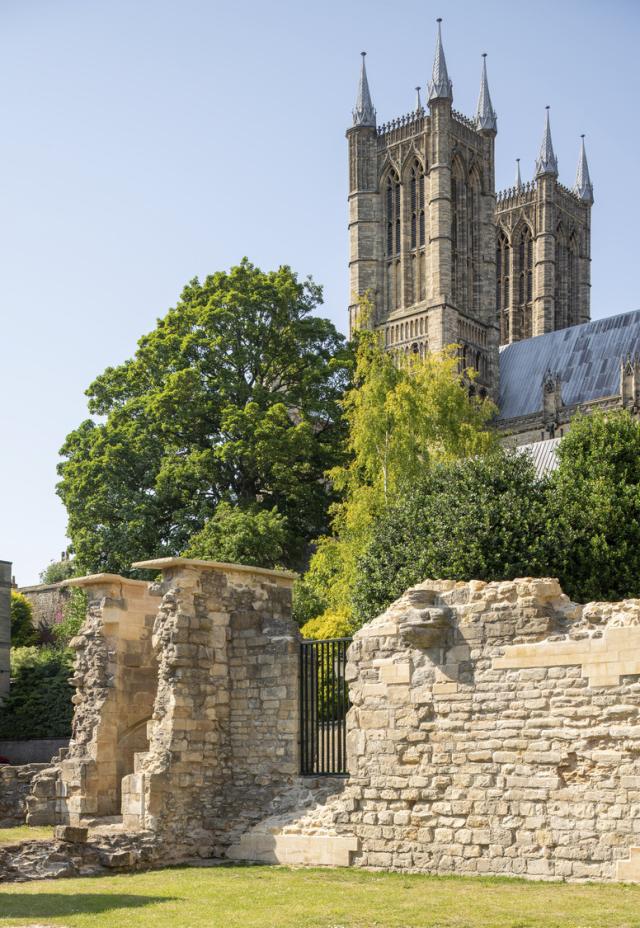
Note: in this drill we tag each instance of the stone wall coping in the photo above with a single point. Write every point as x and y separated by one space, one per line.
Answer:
41 587
97 579
165 563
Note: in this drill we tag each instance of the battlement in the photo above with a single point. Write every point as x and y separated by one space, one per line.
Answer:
516 196
402 127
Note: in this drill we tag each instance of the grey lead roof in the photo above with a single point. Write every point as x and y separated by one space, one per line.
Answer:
543 454
586 357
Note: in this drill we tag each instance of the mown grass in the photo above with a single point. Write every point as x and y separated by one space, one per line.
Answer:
25 833
275 897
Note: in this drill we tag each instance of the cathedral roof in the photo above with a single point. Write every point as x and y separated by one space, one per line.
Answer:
585 357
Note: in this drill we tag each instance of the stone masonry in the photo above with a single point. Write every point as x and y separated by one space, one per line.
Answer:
186 722
494 729
15 786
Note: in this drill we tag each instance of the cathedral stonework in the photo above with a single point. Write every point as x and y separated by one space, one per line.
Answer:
444 260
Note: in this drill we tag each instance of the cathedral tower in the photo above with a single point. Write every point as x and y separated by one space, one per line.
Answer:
543 251
422 223
443 259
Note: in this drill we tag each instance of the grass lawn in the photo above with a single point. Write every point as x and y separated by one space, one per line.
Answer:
275 897
25 833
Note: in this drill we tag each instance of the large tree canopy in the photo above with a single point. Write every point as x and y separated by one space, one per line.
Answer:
232 398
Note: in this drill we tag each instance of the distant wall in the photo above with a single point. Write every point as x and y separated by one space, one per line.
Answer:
47 601
33 751
5 624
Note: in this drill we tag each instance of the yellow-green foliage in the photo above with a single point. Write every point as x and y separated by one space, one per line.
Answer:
328 625
23 633
404 416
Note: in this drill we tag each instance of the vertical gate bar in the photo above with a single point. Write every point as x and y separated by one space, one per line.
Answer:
332 753
301 708
343 714
312 716
321 708
340 708
334 705
305 707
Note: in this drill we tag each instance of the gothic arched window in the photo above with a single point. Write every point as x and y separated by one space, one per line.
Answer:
458 235
393 214
474 238
503 255
574 293
524 273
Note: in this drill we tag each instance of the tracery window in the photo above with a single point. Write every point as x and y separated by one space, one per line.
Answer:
525 282
393 214
503 262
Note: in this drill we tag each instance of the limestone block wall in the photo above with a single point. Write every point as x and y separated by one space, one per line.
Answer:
224 735
5 624
496 729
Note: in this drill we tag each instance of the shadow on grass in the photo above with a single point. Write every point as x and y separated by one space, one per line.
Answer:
49 905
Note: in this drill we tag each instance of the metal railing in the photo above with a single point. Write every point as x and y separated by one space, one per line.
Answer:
324 702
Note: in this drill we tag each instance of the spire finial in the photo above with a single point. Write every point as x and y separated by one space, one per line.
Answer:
518 177
486 119
440 87
364 113
418 100
583 187
547 162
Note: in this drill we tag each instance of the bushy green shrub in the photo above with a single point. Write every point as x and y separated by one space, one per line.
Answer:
593 525
482 518
23 633
39 703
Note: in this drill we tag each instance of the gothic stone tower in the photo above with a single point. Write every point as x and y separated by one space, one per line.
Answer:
422 224
441 260
543 250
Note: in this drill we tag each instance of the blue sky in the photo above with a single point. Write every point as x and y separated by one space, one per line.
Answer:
143 142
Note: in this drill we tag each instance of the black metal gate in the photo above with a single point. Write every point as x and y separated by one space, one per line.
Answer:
324 701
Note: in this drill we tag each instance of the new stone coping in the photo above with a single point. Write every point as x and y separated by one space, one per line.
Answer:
96 579
167 563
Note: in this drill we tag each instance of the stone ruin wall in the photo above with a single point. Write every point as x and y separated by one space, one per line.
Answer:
186 717
495 729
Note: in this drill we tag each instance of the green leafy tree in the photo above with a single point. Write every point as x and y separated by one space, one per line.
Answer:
242 536
404 417
477 519
233 398
23 633
592 535
57 571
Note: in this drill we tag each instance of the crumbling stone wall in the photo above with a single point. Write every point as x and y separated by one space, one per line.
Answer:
224 735
186 720
115 679
15 786
495 729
